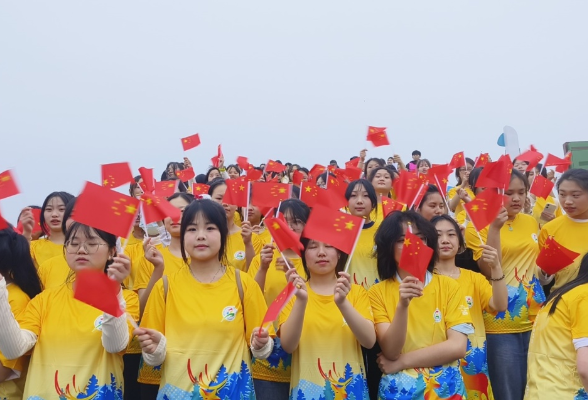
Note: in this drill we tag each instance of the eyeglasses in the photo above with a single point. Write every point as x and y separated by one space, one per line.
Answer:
90 248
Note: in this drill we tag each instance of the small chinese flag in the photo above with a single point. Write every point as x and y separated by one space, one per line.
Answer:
269 194
243 163
389 205
484 208
199 188
315 171
554 257
96 289
284 237
254 174
333 227
3 223
37 225
415 256
190 142
117 174
157 209
561 164
437 175
7 185
496 174
458 160
309 193
216 159
541 187
330 198
166 188
482 160
532 156
185 174
237 192
377 136
274 166
353 173
148 183
408 187
105 209
297 177
352 163
274 310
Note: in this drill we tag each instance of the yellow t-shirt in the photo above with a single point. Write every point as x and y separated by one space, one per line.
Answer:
460 214
328 362
518 241
539 206
474 366
136 253
441 307
69 351
13 389
552 372
54 272
132 240
44 249
236 250
264 237
276 368
363 267
207 335
571 234
145 269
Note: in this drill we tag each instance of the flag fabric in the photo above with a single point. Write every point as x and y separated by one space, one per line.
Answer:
274 166
190 142
496 174
561 164
331 198
269 194
554 257
148 184
117 174
353 173
532 156
541 187
243 163
166 188
484 208
36 226
377 136
8 186
309 193
185 174
352 163
105 209
96 289
274 310
438 174
337 184
315 171
199 188
390 205
415 256
254 174
458 160
501 141
333 227
482 160
3 222
216 159
284 237
237 192
157 209
297 177
407 187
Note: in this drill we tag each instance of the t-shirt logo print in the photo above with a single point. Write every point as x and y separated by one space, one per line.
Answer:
98 323
239 255
229 313
437 315
469 301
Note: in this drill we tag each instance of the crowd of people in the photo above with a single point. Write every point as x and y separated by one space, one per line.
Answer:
485 322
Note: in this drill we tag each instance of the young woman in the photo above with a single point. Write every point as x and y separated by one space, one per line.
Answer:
370 165
242 243
212 174
381 178
95 338
51 218
422 328
461 193
538 204
233 171
558 353
271 377
326 365
22 285
203 344
570 230
423 166
480 295
514 235
432 204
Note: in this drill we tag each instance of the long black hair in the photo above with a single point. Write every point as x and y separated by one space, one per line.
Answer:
16 262
581 279
64 196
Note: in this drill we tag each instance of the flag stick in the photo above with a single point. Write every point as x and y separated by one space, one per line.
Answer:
416 197
285 259
444 197
131 320
246 213
354 245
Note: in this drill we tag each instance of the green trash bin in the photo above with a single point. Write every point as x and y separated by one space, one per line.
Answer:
579 153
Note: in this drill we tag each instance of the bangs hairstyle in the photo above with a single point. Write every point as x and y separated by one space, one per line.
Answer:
579 176
212 213
516 174
187 197
296 208
432 189
473 178
134 185
64 196
377 169
369 188
379 161
235 167
422 161
16 262
340 267
209 171
390 231
445 217
216 182
88 231
469 161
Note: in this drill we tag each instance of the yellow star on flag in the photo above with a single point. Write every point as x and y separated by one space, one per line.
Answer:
349 225
275 225
407 242
5 179
475 208
308 189
131 209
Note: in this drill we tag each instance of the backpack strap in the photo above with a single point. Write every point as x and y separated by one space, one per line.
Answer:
165 287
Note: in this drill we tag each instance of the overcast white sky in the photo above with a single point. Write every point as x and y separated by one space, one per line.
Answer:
84 83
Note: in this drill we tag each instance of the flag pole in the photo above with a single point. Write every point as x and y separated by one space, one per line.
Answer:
417 195
246 213
354 245
445 196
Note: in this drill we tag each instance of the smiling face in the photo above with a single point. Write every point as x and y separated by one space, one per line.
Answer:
321 258
448 240
382 181
53 213
202 239
574 199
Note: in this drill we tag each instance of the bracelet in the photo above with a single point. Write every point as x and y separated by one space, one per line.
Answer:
497 279
223 169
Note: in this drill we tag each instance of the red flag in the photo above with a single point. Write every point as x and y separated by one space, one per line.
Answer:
484 208
98 290
148 184
8 186
105 209
389 205
117 174
157 209
297 177
554 257
496 174
532 156
458 160
315 171
309 193
237 192
377 136
243 163
438 174
185 174
36 226
561 164
216 159
408 187
330 198
352 163
166 188
337 184
333 227
541 187
274 310
274 166
3 223
284 237
254 174
482 160
415 256
269 194
200 188
353 173
190 142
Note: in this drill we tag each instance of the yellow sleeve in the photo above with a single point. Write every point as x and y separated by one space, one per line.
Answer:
33 249
484 290
361 302
285 313
18 301
132 300
473 241
257 243
254 304
144 272
543 234
457 311
254 267
451 193
154 315
30 318
44 271
578 311
378 304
